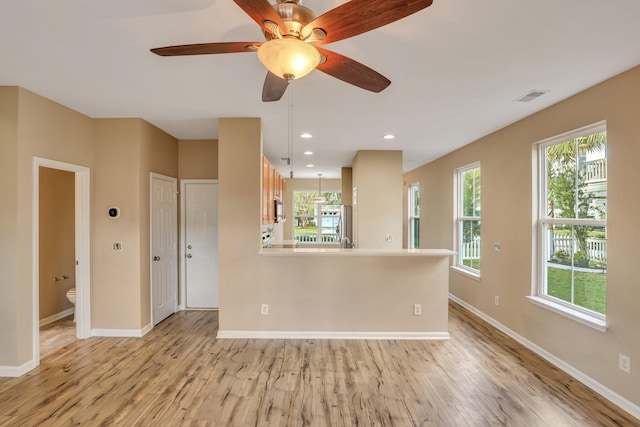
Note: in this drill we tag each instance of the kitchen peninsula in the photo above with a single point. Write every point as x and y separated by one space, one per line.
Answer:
355 293
315 292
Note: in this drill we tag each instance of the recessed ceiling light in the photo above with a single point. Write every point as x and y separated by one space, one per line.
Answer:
389 136
306 135
308 153
311 166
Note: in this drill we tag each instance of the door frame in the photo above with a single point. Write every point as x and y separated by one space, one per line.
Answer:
183 227
82 176
174 180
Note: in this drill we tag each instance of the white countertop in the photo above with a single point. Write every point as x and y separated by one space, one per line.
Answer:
355 252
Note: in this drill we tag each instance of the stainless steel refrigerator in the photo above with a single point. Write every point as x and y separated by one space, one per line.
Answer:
345 226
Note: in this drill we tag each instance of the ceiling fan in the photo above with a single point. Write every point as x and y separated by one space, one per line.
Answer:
294 32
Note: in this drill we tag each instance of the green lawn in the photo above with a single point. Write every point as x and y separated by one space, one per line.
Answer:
590 289
308 230
473 263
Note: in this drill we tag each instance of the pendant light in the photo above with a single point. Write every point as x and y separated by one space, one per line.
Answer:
319 198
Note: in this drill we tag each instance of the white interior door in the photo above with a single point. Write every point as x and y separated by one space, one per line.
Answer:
200 213
164 230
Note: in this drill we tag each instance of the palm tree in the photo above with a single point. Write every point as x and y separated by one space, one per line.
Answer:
566 151
566 182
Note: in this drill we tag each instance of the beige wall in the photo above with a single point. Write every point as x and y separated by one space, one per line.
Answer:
57 240
239 221
127 151
120 154
347 185
506 162
9 289
48 130
377 175
116 274
198 159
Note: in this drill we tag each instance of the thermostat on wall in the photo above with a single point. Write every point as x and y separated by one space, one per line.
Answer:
114 212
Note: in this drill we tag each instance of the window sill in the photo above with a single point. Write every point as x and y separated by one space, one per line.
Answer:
578 316
465 272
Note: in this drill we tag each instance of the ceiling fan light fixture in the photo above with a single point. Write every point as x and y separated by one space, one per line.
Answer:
289 58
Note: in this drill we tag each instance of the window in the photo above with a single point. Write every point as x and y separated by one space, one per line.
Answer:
316 222
414 216
572 224
468 219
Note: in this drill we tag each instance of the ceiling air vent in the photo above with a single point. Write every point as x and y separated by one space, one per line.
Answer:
531 95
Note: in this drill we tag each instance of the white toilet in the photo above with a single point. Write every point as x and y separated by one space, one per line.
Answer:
71 296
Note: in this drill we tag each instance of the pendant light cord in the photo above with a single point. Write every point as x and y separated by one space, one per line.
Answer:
290 129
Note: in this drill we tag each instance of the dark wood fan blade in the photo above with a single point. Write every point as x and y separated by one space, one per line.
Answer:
207 48
262 11
353 72
274 87
359 16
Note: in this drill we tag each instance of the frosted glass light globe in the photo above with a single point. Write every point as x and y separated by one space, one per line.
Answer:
289 58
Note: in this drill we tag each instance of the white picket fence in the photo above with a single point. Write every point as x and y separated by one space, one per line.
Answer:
471 250
313 238
597 248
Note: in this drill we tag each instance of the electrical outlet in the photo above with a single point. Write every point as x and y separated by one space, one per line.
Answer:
417 309
497 246
496 300
388 237
117 246
264 309
624 363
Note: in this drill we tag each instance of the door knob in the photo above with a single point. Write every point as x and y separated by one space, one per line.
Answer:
189 256
156 258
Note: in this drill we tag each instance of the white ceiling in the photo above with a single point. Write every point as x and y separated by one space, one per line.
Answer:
455 67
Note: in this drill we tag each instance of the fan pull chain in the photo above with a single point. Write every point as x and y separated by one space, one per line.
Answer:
290 130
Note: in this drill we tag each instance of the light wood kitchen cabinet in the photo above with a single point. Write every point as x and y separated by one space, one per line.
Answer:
273 188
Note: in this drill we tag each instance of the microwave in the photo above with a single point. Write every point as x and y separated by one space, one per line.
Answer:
278 210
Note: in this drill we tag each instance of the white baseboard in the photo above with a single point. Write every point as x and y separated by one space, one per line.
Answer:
17 371
332 335
599 388
146 329
124 333
57 316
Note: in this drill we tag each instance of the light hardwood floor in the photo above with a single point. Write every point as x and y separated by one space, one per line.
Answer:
180 375
56 335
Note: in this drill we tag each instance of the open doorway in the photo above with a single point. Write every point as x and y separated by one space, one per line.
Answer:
57 271
60 249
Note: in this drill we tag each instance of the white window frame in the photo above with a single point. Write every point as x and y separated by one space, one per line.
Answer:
317 216
412 244
459 220
540 239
